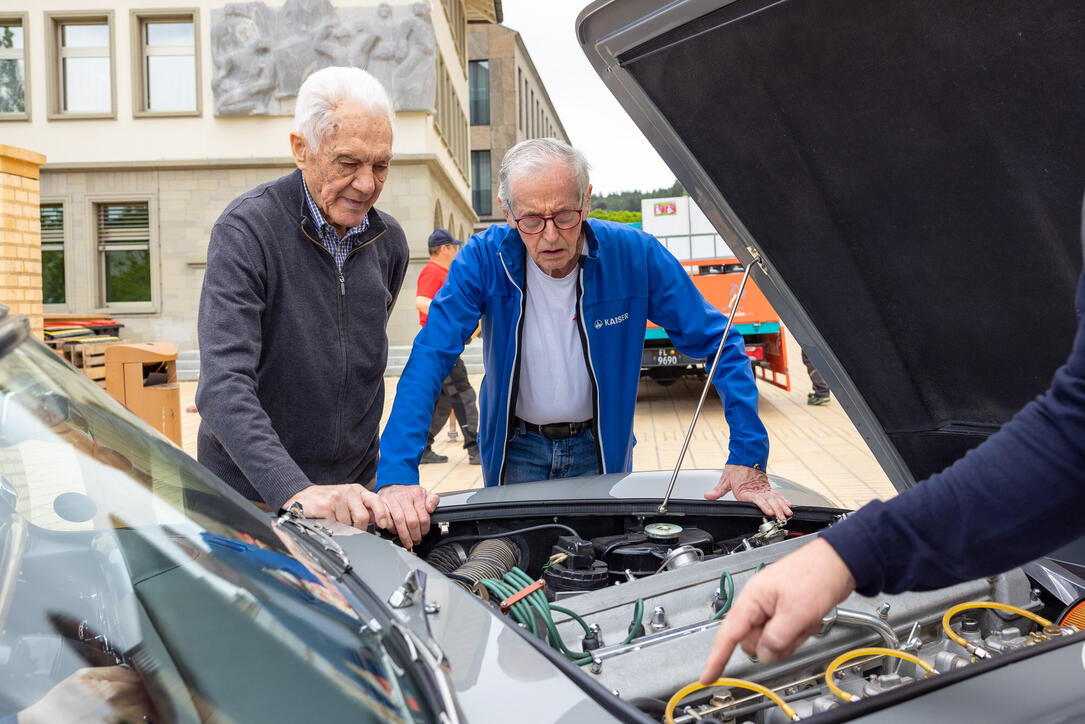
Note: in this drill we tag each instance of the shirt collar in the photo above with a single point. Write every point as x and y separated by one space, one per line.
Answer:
322 223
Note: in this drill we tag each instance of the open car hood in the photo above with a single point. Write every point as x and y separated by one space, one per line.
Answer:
910 173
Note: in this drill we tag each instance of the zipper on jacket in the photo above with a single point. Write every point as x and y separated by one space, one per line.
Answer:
591 367
514 384
342 329
341 305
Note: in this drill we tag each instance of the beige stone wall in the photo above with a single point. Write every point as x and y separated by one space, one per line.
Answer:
20 234
185 204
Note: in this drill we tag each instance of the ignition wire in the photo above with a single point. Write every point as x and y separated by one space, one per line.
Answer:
970 647
868 651
734 683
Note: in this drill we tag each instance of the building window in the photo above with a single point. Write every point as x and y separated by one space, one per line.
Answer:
166 48
13 96
451 121
456 14
481 187
124 252
478 78
520 96
52 254
81 57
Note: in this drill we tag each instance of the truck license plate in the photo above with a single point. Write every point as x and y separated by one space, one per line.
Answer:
667 357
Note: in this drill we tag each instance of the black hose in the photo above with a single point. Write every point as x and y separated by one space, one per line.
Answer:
447 558
503 534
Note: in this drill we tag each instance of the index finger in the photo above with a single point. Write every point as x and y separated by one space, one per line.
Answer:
733 629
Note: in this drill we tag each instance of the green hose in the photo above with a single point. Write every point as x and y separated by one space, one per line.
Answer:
638 617
537 600
727 595
573 616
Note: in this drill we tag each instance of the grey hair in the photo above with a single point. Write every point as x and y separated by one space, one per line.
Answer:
535 154
322 93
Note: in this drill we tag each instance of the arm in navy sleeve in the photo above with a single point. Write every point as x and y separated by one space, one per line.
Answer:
1017 496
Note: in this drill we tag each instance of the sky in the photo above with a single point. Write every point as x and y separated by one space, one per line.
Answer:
620 156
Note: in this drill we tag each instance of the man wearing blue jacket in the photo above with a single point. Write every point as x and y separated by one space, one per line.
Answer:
563 301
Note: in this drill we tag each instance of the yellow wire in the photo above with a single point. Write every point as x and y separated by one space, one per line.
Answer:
868 651
985 604
736 683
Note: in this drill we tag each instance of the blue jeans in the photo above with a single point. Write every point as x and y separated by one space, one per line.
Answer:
534 457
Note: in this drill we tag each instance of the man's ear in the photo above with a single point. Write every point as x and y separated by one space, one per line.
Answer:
300 149
505 211
587 201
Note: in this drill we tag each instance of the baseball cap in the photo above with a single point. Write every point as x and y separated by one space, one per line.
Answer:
440 237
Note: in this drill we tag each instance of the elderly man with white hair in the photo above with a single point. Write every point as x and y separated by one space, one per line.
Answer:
563 301
302 273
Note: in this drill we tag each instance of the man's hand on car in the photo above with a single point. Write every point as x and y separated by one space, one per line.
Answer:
752 486
107 693
408 508
781 606
348 503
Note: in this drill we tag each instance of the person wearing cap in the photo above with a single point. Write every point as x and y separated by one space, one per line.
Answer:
456 391
564 300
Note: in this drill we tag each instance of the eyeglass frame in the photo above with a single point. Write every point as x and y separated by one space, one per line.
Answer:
579 220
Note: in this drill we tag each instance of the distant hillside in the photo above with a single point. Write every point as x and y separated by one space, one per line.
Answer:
630 200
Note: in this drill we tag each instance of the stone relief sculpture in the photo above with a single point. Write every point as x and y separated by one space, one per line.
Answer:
244 76
261 55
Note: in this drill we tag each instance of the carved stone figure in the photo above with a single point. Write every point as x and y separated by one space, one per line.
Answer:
295 52
416 76
244 74
333 41
378 47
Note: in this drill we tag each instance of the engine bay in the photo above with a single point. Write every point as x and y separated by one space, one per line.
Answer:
635 602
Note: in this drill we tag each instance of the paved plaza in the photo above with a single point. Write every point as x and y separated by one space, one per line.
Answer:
815 446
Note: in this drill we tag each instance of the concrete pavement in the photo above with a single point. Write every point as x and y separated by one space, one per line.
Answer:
815 446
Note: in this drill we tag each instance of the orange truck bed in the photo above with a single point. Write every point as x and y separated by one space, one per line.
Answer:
718 280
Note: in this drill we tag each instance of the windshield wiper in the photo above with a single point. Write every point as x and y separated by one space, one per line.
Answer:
318 537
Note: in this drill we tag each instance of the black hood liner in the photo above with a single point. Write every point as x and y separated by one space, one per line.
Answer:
914 171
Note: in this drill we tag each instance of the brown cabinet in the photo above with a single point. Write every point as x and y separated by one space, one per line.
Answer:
143 378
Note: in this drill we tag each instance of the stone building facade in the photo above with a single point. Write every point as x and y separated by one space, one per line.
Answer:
508 104
154 115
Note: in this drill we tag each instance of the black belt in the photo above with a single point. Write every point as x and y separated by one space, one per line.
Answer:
555 430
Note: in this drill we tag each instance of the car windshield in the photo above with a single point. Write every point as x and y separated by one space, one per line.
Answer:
121 560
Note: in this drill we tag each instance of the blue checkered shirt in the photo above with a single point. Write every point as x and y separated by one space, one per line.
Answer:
339 248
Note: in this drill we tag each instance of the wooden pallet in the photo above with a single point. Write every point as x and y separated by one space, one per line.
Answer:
89 358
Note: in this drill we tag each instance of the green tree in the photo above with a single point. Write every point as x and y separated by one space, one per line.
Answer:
12 92
622 217
630 200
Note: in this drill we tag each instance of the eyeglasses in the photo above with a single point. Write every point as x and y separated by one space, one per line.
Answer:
562 220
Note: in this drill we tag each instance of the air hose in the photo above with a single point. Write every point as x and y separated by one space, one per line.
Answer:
868 651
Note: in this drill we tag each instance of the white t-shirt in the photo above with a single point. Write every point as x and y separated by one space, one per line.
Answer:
554 382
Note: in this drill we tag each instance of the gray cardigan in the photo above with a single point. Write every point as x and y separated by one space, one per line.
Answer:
292 353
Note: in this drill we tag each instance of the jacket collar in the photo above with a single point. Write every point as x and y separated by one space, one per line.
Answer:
311 226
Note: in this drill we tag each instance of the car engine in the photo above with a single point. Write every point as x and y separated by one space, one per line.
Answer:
635 601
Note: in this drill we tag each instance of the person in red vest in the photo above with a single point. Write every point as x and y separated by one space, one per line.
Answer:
456 391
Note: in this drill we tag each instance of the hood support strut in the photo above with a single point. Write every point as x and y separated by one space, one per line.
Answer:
756 261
